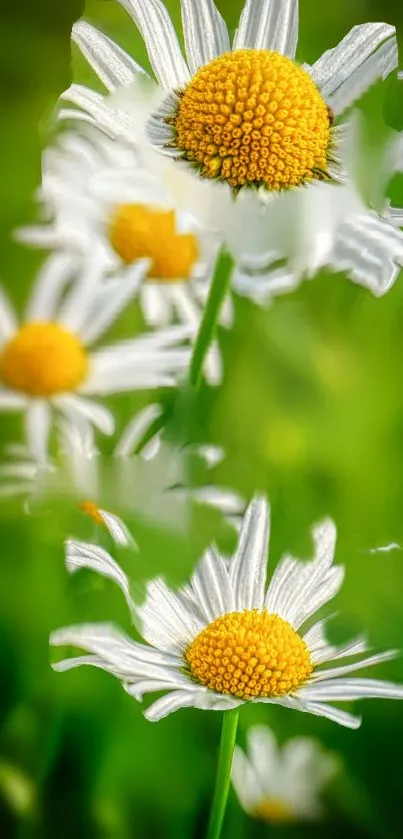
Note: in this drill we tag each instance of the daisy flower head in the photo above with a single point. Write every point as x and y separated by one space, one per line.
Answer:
152 484
281 785
223 640
241 119
48 364
97 194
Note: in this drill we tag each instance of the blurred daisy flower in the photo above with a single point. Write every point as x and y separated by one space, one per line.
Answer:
47 363
96 194
244 121
223 640
153 484
281 785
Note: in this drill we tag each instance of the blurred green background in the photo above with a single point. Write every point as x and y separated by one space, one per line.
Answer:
311 410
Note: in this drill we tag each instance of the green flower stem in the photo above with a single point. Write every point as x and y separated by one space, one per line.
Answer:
219 287
228 736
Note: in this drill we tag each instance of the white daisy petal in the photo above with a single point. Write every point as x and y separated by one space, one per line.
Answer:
268 25
152 19
204 31
124 367
211 587
116 528
65 114
321 651
225 500
173 681
123 292
84 555
263 752
204 700
11 401
115 651
38 236
186 305
113 122
113 66
56 272
335 672
18 470
168 621
334 69
337 690
371 250
248 565
297 589
320 709
244 780
76 308
37 428
8 321
136 429
76 408
395 215
170 703
155 304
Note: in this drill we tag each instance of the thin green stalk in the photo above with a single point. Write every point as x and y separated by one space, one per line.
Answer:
219 287
228 736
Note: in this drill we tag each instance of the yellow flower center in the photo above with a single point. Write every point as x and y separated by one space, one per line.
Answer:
43 359
137 231
250 653
89 508
273 810
254 117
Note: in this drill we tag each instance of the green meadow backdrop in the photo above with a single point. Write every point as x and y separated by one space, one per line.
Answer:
311 410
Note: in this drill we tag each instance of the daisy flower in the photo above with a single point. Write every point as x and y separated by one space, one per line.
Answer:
48 365
241 120
95 193
224 640
122 481
281 785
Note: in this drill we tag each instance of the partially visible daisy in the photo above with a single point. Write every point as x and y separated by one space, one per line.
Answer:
124 481
281 785
335 229
228 502
96 194
223 640
240 119
46 363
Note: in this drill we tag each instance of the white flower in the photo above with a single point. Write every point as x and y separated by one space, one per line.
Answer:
214 137
281 784
223 640
96 195
46 363
123 481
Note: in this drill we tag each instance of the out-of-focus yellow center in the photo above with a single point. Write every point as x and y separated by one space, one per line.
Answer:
250 653
89 508
273 810
254 117
43 359
138 231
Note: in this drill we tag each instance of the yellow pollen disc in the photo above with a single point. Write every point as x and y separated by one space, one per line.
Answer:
254 117
248 654
90 509
43 359
137 231
273 810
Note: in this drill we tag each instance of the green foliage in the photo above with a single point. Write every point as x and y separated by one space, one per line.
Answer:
311 410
